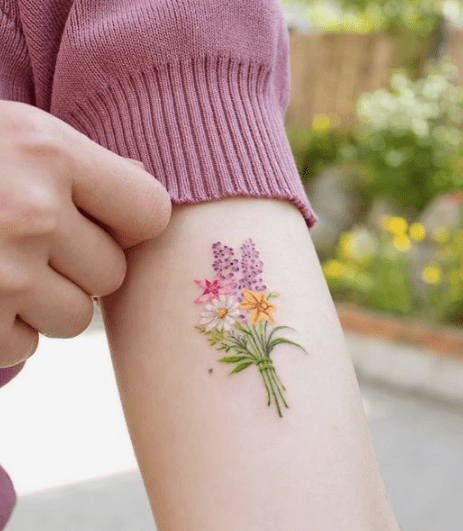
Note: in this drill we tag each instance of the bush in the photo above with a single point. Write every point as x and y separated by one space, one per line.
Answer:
374 271
410 136
422 17
318 147
407 144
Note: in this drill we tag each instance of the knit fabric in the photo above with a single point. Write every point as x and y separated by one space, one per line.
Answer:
195 89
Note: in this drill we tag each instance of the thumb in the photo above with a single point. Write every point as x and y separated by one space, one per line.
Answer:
137 162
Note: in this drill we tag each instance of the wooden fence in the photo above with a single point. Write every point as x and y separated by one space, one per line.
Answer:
455 51
330 71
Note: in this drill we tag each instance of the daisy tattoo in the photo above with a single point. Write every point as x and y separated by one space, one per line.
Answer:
236 313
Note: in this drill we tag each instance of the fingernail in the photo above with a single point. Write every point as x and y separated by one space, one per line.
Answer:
137 162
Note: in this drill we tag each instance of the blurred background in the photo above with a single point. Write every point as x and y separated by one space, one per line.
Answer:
375 125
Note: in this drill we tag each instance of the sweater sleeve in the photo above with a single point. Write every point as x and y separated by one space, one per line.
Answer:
16 80
195 89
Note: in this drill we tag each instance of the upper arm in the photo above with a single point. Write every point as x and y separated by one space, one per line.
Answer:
214 448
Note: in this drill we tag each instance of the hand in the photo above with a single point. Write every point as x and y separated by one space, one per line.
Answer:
68 210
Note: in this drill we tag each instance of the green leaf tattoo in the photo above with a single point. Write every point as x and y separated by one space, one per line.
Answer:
237 310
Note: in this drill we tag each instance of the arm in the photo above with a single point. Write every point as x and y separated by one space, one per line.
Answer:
213 455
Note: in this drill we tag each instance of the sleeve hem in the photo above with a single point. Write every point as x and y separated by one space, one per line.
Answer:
207 128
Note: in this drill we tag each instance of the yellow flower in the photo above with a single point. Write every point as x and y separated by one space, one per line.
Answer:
402 243
397 225
441 235
345 243
321 123
261 308
333 269
417 231
431 274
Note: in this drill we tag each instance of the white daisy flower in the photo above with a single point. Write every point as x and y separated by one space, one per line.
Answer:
221 313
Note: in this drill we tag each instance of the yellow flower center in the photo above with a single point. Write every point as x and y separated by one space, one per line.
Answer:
222 313
397 225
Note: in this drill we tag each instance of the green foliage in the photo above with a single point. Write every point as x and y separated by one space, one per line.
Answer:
373 269
232 359
422 17
215 336
407 144
410 135
241 366
316 148
278 340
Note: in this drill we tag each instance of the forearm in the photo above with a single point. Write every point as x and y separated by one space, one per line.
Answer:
213 454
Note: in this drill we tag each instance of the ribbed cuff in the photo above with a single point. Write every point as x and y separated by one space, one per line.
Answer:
207 128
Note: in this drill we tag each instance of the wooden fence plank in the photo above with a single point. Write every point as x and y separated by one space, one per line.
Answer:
345 97
330 71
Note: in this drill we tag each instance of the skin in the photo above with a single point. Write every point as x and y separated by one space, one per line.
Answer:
66 216
213 455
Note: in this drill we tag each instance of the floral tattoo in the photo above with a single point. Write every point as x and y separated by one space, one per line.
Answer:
237 310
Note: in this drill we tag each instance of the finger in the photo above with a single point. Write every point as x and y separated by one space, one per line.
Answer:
22 341
56 307
87 255
137 162
130 202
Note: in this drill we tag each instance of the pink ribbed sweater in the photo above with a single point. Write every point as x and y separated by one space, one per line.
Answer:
195 89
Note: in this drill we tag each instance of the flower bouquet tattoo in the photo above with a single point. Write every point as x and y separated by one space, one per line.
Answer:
237 310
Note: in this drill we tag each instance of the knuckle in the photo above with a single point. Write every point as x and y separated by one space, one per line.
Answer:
13 279
36 212
16 117
42 144
40 213
32 132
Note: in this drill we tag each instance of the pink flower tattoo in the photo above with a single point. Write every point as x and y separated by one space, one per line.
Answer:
212 290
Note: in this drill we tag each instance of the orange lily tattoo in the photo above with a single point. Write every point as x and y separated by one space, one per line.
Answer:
258 303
